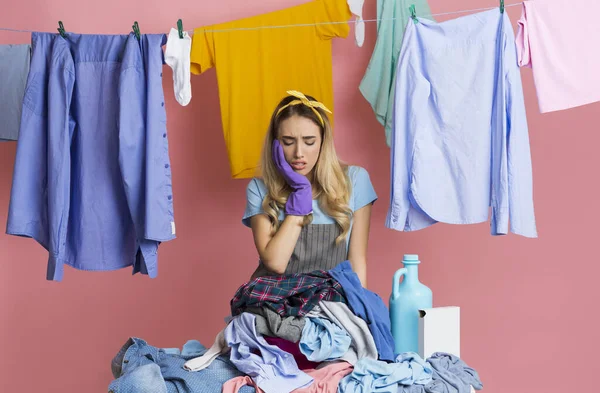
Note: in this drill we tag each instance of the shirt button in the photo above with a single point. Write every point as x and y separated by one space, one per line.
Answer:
162 104
169 197
164 135
166 165
161 74
125 361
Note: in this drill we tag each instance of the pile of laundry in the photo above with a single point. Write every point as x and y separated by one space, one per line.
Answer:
313 332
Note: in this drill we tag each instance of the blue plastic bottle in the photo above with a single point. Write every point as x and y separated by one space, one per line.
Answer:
406 300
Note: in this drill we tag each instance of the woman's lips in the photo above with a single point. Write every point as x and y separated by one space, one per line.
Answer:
298 165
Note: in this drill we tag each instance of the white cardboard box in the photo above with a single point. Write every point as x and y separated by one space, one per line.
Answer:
439 331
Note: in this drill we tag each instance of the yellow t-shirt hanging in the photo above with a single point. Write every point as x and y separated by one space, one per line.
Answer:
255 68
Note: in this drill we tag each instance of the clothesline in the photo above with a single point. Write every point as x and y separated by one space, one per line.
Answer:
307 24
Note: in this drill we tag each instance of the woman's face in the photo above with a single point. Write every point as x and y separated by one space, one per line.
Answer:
301 141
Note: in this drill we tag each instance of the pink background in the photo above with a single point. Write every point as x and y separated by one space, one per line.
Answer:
528 324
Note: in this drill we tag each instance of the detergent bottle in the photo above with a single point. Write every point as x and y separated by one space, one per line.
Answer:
407 298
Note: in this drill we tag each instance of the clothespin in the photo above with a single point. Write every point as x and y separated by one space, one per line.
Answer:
413 13
136 30
61 29
180 28
501 6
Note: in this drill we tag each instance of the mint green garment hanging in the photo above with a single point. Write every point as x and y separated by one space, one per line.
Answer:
378 83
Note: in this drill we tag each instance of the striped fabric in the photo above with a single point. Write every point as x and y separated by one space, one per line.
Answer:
315 250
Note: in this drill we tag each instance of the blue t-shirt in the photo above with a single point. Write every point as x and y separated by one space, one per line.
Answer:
362 194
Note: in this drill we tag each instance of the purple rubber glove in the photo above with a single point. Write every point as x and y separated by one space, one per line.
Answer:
299 202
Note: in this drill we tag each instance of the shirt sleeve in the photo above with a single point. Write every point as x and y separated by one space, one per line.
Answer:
362 189
254 200
513 202
376 84
333 11
40 194
202 55
522 40
411 90
60 129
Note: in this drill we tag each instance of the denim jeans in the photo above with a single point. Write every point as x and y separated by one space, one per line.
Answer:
142 368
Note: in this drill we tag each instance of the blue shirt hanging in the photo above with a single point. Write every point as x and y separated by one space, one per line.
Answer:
14 67
460 142
92 178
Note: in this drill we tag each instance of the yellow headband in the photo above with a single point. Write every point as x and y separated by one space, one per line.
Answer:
301 99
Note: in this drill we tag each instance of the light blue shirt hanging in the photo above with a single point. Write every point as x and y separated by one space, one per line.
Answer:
460 142
92 178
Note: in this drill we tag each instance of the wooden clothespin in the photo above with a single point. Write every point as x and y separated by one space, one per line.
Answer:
501 6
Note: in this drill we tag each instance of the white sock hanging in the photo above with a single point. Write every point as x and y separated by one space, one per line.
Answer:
177 56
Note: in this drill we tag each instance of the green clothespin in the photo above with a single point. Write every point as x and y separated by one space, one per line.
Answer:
413 13
136 30
180 28
61 29
501 6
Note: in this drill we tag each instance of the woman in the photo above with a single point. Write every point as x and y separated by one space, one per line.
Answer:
308 211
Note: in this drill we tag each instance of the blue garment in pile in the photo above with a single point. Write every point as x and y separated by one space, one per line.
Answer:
142 368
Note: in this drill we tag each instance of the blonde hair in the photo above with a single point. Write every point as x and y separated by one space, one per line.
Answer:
331 185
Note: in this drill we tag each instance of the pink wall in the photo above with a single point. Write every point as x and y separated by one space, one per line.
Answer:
528 325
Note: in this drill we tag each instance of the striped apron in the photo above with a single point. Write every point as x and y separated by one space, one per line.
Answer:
315 250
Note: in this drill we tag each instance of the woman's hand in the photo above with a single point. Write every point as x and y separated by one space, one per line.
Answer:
299 202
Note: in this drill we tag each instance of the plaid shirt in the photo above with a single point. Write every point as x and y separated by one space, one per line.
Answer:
288 295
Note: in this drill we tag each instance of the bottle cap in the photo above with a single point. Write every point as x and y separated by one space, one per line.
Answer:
411 259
